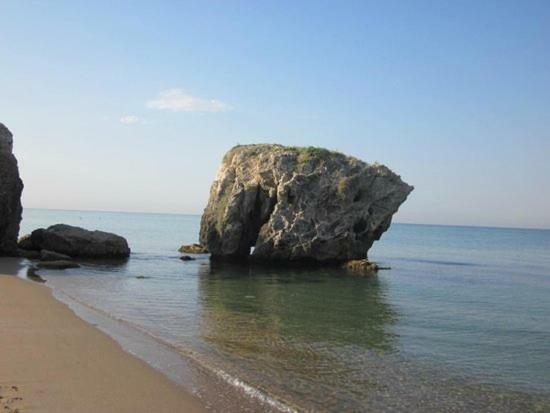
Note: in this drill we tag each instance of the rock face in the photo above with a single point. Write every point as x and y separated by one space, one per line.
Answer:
298 204
76 242
11 187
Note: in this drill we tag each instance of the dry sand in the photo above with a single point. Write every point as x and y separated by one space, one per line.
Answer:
52 361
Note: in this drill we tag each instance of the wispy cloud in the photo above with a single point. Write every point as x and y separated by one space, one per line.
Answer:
177 100
129 120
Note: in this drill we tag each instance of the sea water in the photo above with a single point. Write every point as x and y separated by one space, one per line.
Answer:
461 321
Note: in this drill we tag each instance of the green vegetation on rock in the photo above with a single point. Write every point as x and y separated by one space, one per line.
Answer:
303 153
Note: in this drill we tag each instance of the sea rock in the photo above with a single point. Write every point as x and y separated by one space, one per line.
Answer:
25 243
79 242
34 276
11 188
29 254
361 266
57 265
298 204
46 255
186 258
193 249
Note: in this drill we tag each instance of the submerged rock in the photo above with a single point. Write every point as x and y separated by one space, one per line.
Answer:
298 204
193 249
46 255
77 242
34 276
57 265
362 266
29 254
11 188
186 258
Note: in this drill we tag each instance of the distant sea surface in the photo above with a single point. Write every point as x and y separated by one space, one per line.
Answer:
461 321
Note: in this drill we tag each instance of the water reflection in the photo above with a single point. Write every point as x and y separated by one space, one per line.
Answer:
304 331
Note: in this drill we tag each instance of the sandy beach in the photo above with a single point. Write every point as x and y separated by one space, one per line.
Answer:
52 361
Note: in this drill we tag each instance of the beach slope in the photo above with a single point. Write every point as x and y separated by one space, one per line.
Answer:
52 361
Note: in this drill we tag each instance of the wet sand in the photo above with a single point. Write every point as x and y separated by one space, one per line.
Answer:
52 361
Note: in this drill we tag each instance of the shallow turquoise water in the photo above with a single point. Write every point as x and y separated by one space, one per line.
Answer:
462 319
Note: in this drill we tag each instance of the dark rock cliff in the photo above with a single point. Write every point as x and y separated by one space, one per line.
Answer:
11 188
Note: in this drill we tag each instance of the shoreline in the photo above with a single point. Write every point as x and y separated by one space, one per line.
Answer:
54 361
197 377
216 388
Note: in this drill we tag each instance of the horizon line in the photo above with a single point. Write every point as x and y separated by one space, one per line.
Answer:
198 215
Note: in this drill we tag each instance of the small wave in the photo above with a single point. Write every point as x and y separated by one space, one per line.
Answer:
440 262
188 354
253 392
155 257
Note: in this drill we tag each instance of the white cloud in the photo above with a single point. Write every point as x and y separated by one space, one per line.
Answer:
129 120
177 100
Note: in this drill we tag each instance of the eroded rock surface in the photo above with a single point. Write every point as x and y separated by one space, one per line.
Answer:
11 187
298 204
76 242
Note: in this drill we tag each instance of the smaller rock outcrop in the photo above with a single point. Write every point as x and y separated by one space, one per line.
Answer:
361 266
76 242
33 275
46 255
11 187
193 249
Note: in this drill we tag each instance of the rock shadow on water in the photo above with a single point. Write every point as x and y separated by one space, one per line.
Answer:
324 340
108 264
87 266
314 304
290 326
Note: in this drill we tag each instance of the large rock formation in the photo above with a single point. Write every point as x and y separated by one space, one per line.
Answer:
76 242
11 187
296 204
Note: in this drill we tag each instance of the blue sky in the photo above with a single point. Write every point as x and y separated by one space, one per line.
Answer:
131 105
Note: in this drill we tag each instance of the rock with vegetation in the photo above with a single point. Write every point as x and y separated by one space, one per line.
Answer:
11 188
76 242
294 204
